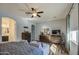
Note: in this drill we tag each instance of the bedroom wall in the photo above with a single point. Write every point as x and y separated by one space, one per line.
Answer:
55 24
20 23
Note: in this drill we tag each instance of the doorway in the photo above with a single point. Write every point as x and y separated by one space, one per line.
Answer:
8 29
33 32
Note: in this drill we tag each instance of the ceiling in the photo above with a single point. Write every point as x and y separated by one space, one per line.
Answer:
52 11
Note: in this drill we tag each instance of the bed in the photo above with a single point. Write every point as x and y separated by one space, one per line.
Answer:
24 48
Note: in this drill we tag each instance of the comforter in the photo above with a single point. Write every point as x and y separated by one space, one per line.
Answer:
19 48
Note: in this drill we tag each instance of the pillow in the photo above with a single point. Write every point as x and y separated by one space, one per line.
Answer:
34 43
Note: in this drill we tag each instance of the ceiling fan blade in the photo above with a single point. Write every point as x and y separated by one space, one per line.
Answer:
40 12
32 9
28 13
32 16
38 15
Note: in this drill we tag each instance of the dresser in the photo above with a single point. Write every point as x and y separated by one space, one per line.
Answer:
44 38
56 39
26 36
5 38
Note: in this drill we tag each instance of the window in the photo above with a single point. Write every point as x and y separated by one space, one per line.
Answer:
74 36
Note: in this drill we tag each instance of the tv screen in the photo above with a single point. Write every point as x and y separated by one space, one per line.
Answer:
56 32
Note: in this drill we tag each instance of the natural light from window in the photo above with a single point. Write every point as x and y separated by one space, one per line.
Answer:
73 36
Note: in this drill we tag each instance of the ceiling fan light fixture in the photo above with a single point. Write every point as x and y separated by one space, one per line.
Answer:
34 14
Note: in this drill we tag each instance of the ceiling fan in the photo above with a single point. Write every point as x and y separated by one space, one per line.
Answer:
33 12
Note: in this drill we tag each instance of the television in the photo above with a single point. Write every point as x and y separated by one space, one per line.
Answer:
56 32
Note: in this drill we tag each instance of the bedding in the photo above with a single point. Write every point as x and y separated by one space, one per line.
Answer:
21 48
44 47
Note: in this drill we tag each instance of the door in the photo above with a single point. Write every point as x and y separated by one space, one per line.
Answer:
33 32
